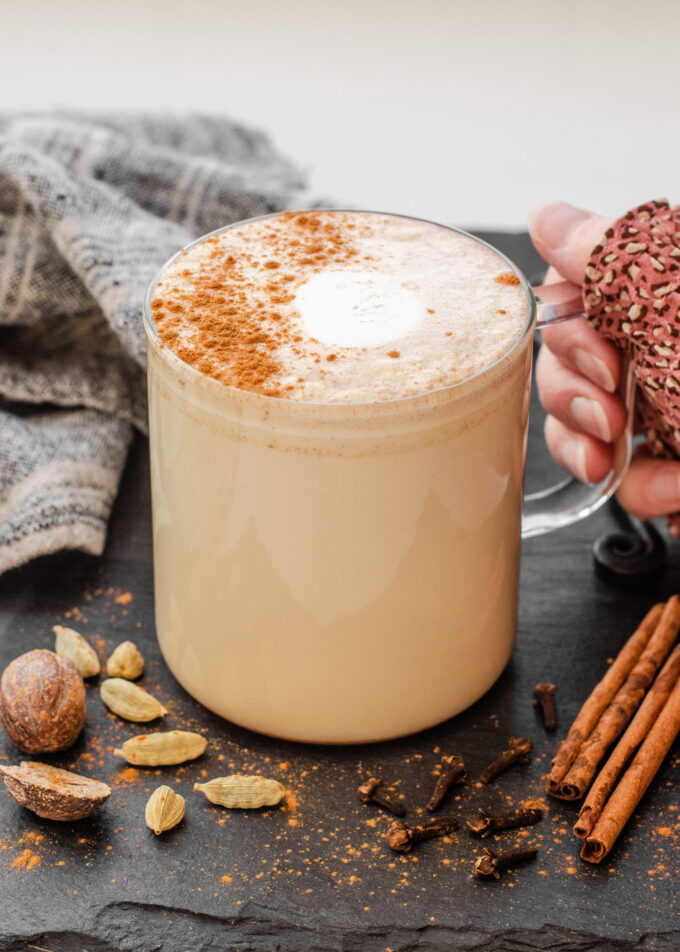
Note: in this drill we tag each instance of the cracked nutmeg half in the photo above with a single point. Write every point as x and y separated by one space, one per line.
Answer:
53 793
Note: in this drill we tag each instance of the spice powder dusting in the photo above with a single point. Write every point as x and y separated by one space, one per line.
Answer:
229 306
235 300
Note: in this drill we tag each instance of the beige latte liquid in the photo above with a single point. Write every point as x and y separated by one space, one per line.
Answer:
338 408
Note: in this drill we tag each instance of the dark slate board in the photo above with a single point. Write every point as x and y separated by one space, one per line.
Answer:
317 875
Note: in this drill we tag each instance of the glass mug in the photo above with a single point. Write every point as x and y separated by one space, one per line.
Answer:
346 573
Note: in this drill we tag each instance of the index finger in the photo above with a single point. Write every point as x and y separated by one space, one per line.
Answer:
578 346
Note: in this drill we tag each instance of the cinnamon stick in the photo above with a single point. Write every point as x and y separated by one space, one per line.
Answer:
601 696
635 781
626 701
637 730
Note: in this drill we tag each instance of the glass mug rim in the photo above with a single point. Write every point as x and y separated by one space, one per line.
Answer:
434 395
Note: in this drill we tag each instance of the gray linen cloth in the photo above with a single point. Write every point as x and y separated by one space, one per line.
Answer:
90 208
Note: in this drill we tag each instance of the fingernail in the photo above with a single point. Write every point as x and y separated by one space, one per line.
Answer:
594 369
666 487
589 416
552 224
573 455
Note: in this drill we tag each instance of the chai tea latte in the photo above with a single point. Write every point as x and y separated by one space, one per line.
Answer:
338 405
339 307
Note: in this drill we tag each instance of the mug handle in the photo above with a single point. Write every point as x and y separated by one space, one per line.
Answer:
571 500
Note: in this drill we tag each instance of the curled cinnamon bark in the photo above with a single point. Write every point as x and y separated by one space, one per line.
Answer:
600 698
635 781
638 729
626 701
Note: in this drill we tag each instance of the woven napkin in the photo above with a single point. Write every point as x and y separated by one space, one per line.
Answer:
90 208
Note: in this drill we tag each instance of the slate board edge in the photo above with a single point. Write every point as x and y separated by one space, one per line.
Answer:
125 926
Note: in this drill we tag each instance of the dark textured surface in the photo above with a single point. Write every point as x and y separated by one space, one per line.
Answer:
317 875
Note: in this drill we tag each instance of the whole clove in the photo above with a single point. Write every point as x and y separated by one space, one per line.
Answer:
403 838
371 792
495 864
452 771
485 824
544 698
518 751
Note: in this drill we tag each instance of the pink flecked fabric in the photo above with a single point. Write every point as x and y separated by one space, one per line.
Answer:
632 295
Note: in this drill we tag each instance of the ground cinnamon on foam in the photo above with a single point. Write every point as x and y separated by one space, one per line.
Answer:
508 277
229 313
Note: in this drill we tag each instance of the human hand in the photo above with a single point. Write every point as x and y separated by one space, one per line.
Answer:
577 374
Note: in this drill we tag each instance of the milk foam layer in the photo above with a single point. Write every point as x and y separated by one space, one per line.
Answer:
339 306
357 308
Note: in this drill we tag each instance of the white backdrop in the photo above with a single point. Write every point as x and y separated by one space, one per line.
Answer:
466 112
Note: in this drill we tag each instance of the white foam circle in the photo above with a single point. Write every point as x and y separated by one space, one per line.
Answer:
357 308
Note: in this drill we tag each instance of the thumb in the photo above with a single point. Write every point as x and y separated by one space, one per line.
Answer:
565 236
651 487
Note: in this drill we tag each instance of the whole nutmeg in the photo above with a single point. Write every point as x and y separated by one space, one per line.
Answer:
42 702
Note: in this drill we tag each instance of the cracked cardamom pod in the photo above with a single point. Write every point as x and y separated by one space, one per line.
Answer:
70 644
129 701
241 792
125 662
53 793
162 748
164 809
